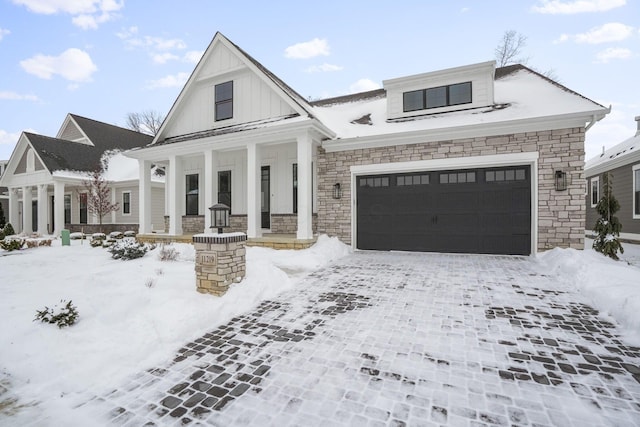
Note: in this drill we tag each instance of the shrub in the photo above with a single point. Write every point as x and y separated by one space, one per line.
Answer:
127 250
11 244
608 226
168 253
116 235
64 316
8 229
2 235
95 243
32 243
45 242
129 233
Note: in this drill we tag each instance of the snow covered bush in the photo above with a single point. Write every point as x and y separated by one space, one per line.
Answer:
2 234
8 229
129 233
128 249
61 316
11 244
168 253
116 235
608 226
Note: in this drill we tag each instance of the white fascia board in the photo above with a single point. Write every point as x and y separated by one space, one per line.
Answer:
472 69
233 141
465 131
612 164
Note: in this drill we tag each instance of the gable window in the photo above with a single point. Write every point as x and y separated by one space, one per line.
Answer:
436 97
636 191
191 192
224 188
224 101
83 208
595 191
126 203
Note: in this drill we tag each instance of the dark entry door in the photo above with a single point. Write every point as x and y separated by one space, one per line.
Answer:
460 211
34 215
265 196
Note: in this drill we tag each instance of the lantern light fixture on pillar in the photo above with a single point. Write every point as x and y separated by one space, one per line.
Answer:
337 191
561 180
219 216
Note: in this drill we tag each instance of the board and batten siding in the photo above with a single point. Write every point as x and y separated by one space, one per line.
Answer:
622 180
253 98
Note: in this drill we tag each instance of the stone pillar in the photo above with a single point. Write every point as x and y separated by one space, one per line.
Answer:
220 261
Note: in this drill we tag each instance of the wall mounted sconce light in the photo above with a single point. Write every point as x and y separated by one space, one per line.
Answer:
561 180
337 191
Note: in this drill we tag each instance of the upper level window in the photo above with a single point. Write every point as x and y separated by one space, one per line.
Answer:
595 191
224 101
442 96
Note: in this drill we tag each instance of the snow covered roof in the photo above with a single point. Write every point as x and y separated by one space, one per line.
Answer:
628 151
520 94
117 168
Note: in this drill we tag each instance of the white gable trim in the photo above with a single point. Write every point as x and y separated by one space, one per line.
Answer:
195 78
69 121
10 179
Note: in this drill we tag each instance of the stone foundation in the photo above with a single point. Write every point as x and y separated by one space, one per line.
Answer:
220 261
288 223
193 224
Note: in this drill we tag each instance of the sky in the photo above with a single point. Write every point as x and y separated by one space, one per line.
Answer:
103 59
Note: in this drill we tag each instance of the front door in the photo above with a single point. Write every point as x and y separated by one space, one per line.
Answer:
265 196
34 215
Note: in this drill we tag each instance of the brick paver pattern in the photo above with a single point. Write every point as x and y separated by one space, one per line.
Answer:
400 339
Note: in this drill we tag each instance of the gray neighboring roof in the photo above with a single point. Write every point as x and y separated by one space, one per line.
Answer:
60 154
627 152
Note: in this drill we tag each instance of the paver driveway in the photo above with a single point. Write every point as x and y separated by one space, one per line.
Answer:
400 339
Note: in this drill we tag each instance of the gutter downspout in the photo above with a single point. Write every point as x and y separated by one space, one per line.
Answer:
596 119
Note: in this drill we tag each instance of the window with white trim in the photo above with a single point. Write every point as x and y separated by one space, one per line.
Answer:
126 203
595 191
224 101
636 191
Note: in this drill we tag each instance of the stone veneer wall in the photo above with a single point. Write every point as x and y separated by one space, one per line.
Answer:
561 214
192 224
237 224
288 223
97 228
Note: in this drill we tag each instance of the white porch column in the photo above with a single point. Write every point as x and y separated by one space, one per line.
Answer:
27 217
14 217
176 192
254 226
144 188
43 208
305 204
58 208
209 188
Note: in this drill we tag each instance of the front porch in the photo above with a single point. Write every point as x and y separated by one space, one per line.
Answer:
267 240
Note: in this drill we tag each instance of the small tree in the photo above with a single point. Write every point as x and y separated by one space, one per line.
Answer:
98 196
608 226
148 122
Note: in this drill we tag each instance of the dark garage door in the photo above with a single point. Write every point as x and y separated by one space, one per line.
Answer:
485 211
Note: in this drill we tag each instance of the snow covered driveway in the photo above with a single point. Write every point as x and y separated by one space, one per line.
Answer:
399 339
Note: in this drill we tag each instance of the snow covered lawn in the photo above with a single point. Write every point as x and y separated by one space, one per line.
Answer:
135 314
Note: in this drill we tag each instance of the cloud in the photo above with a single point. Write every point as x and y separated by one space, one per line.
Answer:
310 49
73 64
163 58
465 10
610 32
3 33
176 80
8 137
363 85
613 53
323 68
86 14
13 96
556 7
193 56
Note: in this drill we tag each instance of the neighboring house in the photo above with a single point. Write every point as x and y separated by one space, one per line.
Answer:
457 160
45 178
623 163
4 193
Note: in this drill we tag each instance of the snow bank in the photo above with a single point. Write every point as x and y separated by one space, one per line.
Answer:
612 286
133 314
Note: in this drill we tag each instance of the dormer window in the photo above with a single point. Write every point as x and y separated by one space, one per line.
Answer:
436 97
224 101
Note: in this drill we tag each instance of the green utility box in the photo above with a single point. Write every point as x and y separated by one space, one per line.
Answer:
65 236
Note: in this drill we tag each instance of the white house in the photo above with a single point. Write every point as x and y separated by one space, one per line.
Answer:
45 175
468 159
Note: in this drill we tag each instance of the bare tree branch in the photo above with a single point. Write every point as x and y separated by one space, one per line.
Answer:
509 48
148 121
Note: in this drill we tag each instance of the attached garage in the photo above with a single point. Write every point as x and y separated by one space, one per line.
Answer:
482 210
